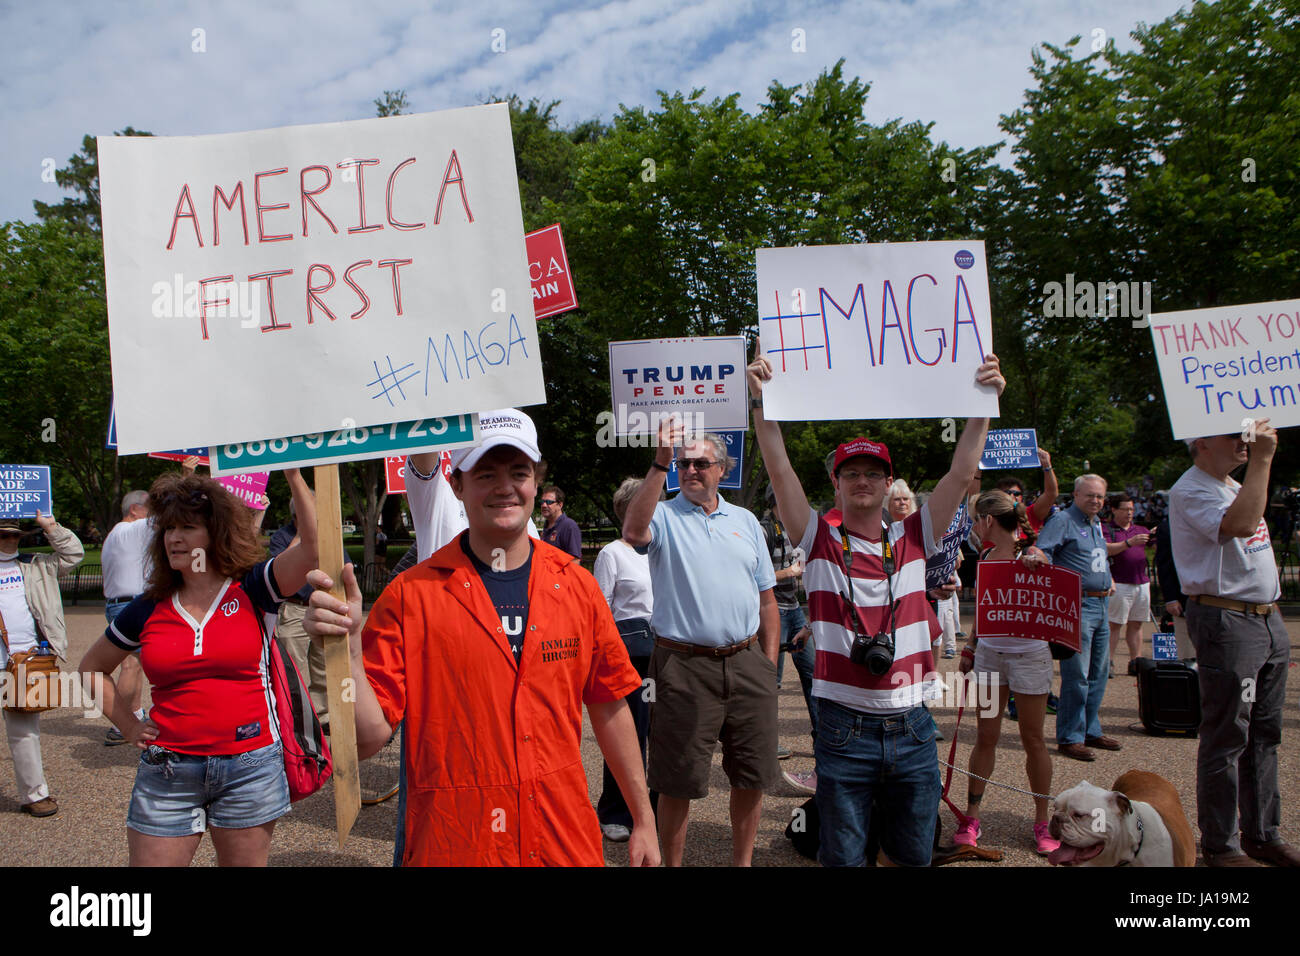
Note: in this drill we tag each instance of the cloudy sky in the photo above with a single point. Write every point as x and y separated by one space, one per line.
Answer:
96 66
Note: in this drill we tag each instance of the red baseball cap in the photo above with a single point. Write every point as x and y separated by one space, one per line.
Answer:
862 447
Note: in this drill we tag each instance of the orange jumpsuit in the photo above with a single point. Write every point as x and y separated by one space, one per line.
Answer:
493 770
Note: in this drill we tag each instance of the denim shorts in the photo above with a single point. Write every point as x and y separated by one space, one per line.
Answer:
181 794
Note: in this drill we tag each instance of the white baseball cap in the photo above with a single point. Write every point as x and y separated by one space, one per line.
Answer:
505 426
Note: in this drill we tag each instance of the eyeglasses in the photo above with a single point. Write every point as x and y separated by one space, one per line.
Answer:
1017 494
852 474
548 501
699 464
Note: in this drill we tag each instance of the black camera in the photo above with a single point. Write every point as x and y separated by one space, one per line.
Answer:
876 654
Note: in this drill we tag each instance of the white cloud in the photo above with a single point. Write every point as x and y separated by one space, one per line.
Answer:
86 66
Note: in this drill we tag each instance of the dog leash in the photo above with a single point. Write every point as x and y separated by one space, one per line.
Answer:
947 783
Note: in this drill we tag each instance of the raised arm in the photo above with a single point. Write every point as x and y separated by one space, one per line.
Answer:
790 497
641 509
1242 518
293 563
1042 506
65 546
966 458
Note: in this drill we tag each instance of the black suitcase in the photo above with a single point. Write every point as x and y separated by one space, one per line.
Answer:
1169 697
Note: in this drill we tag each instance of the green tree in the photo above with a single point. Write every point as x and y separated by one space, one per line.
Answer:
670 206
81 175
1168 164
54 351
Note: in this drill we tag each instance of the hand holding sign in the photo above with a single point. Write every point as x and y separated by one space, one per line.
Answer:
758 371
46 522
671 433
989 374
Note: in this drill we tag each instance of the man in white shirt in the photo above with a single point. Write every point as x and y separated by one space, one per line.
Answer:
1225 562
125 562
31 610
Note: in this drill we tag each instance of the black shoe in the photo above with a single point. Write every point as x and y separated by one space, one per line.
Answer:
113 737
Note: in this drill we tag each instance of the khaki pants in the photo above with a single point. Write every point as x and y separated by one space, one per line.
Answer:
24 732
307 656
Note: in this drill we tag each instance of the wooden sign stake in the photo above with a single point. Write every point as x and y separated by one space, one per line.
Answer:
338 668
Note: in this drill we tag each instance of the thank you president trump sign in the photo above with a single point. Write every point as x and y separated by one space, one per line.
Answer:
890 330
1223 368
297 280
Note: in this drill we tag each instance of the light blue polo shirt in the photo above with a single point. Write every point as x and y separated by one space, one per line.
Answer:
1074 541
706 571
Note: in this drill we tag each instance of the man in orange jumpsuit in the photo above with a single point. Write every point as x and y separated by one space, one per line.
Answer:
488 650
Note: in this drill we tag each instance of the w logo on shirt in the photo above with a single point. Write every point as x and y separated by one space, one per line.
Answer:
230 607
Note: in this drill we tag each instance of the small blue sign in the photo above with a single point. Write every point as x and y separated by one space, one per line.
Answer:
964 259
1010 448
735 448
1164 647
24 489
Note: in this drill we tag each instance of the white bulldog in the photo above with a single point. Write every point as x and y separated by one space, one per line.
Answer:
1139 823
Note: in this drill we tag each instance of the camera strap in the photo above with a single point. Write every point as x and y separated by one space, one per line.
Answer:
887 559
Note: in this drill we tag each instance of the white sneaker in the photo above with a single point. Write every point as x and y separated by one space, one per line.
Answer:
801 781
615 832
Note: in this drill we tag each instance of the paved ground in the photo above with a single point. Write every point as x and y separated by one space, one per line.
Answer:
92 784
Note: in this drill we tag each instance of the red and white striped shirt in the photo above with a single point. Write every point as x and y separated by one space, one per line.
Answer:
825 578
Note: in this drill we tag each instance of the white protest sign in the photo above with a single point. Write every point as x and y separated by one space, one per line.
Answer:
700 379
888 330
1225 367
298 280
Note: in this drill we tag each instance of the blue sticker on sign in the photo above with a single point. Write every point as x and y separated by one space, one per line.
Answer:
964 259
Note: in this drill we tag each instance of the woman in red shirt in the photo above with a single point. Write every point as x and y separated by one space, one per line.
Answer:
211 750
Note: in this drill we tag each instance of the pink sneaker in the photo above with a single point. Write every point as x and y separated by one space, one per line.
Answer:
968 832
1043 840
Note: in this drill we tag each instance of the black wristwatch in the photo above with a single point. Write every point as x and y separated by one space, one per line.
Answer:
756 401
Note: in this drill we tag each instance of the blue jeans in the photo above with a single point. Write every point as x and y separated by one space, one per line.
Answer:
890 760
1084 677
113 608
612 808
805 658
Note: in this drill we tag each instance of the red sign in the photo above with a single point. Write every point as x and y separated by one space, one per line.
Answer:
548 270
1014 601
199 453
395 474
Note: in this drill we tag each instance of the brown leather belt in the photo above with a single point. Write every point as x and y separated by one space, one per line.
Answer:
701 650
1096 594
1262 610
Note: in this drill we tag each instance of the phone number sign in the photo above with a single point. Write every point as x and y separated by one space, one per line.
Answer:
352 443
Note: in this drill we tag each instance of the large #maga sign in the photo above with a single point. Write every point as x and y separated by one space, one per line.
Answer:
889 330
1223 368
1014 601
292 281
